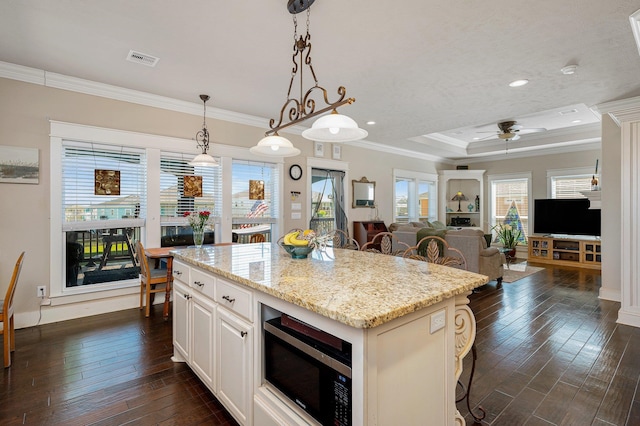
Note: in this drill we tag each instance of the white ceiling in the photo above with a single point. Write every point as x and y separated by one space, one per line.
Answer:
432 74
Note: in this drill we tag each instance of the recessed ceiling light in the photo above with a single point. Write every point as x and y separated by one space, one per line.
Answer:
371 123
577 121
518 83
476 139
569 69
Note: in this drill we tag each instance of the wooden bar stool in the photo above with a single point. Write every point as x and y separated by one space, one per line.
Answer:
6 316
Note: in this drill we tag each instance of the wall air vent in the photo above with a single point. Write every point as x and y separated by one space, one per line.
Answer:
142 58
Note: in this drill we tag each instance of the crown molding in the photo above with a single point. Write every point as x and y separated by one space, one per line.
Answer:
622 110
399 151
74 84
531 152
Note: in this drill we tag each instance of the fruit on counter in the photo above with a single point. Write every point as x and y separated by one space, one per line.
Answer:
299 238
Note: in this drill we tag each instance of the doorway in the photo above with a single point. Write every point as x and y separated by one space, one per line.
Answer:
327 201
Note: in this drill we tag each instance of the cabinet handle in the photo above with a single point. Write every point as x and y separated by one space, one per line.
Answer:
198 283
228 299
243 333
186 296
178 273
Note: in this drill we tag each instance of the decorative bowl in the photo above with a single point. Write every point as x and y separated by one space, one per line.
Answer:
297 252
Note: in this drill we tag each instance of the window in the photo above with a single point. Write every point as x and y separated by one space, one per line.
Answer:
174 201
414 196
254 199
509 198
568 183
103 210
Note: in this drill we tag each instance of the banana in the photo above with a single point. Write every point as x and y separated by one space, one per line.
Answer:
288 238
297 242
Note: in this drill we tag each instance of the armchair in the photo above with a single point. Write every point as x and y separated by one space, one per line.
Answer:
480 258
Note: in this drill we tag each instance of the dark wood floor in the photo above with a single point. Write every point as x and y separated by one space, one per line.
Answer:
110 369
549 353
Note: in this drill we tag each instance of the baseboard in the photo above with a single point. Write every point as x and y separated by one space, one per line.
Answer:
628 318
51 314
609 294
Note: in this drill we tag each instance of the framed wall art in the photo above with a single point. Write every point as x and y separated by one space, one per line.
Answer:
19 165
318 149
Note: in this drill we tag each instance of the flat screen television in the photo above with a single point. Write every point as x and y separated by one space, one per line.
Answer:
566 216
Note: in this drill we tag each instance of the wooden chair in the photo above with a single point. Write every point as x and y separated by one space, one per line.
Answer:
341 239
257 238
149 280
8 331
386 243
435 249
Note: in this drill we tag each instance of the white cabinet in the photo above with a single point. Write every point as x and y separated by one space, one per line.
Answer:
213 333
202 338
181 321
234 363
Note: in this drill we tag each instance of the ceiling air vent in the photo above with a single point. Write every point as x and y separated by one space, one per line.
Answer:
569 111
142 58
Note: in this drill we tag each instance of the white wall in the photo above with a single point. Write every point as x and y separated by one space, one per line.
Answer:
25 112
611 212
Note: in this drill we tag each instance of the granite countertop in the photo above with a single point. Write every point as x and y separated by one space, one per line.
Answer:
359 289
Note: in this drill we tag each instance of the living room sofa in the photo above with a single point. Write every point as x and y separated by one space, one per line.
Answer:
470 241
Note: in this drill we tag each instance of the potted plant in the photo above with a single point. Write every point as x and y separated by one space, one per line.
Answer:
508 237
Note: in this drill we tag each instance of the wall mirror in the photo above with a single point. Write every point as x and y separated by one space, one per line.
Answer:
363 193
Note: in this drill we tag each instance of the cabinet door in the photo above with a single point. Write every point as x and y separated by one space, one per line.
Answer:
202 338
181 319
233 364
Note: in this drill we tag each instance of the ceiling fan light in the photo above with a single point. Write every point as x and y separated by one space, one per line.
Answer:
335 128
204 160
275 146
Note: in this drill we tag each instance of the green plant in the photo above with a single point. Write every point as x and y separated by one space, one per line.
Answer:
507 236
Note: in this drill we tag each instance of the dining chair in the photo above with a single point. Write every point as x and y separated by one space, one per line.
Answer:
385 243
435 249
257 238
8 330
150 279
340 239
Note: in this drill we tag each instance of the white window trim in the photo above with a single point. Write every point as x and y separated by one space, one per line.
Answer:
323 163
509 176
416 176
150 235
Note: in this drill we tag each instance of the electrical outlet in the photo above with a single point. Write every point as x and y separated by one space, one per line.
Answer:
438 320
42 292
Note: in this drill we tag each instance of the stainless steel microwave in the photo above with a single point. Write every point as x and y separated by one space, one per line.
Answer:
316 376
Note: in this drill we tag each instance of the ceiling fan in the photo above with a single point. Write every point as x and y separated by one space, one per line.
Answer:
511 130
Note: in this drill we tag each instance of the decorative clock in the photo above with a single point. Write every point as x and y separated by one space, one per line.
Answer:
295 172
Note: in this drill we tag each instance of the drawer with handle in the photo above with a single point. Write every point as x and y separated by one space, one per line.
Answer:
234 298
202 282
180 272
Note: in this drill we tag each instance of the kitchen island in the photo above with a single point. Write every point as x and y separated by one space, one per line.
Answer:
407 323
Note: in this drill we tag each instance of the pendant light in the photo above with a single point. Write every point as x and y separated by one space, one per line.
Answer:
202 140
333 127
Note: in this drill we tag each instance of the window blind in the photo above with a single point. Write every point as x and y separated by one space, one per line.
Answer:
82 208
246 210
570 186
173 201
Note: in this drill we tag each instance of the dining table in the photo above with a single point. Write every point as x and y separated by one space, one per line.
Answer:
159 253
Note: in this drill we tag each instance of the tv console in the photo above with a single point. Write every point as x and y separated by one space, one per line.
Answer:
566 250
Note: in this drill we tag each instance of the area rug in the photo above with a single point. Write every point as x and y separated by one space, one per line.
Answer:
516 271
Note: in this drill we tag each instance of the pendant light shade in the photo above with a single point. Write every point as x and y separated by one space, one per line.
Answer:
204 160
334 127
275 146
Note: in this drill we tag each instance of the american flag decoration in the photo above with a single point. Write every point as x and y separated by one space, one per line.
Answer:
257 210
